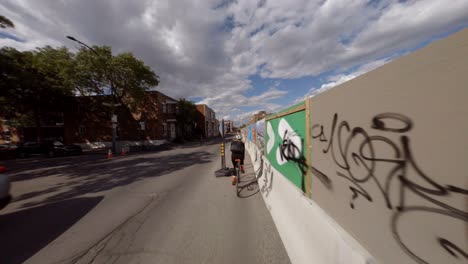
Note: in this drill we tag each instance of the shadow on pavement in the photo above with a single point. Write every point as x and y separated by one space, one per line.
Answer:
206 142
248 185
93 176
43 162
24 233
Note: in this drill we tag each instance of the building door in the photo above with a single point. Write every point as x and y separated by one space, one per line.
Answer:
173 130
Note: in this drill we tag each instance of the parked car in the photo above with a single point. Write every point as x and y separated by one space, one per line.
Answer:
5 196
8 150
49 148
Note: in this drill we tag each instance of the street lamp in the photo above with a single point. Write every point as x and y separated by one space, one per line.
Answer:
82 44
114 116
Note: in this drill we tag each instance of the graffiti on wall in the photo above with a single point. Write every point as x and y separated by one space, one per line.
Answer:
266 172
260 128
365 158
285 148
260 139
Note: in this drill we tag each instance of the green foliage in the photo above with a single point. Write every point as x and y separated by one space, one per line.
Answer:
30 84
98 72
91 67
186 117
57 66
36 82
5 22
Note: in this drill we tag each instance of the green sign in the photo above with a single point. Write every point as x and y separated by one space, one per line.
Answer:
285 146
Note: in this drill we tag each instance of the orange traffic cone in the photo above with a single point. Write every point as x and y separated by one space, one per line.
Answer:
109 154
123 153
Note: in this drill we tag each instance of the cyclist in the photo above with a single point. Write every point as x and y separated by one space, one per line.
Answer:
237 153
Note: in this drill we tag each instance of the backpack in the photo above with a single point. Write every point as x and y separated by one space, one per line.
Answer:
237 147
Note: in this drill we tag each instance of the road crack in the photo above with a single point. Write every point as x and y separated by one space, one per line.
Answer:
91 254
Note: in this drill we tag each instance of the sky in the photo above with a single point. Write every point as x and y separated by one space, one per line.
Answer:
240 57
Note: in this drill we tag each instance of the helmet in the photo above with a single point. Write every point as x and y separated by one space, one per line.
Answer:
238 137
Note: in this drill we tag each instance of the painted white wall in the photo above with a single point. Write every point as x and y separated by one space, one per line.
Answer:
308 234
423 97
397 183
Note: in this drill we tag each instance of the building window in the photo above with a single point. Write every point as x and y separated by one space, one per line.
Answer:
6 135
164 108
164 129
81 130
170 108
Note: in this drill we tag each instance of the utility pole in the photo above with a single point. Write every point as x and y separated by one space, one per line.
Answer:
223 158
114 120
224 171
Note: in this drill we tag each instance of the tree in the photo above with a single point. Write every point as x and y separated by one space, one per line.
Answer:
32 84
185 117
57 66
120 80
124 77
5 22
36 83
13 80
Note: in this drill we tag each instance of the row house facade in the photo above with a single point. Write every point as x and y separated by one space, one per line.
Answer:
89 119
228 126
48 126
206 121
8 134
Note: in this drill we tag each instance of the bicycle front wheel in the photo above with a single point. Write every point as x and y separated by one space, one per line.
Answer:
237 181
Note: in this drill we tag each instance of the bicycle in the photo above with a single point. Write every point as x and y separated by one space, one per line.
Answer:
238 170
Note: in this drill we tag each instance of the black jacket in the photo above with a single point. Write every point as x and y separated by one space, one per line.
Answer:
238 149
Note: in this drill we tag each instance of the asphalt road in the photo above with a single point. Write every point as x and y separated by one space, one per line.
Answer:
158 207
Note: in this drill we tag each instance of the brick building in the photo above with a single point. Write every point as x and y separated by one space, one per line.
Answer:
228 126
206 121
50 122
8 134
88 119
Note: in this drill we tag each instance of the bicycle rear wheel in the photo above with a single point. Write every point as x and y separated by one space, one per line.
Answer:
238 179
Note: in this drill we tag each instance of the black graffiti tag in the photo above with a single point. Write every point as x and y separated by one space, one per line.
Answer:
268 179
355 153
289 151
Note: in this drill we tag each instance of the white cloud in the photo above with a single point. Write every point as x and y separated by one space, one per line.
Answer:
203 51
338 79
227 103
181 41
301 38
